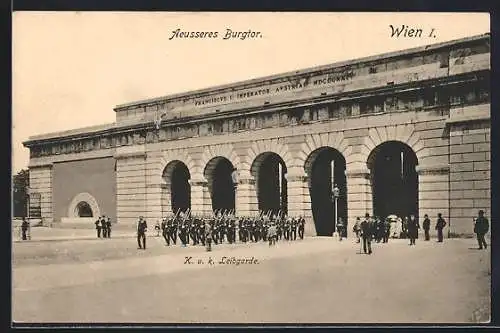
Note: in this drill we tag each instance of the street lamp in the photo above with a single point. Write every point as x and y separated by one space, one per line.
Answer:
336 194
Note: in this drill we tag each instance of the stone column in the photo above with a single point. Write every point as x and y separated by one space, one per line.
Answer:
299 200
246 197
198 187
207 198
153 202
166 204
359 194
433 192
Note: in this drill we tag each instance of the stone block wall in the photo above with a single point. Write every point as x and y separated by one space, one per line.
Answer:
41 182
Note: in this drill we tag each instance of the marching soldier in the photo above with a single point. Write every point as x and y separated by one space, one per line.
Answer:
271 234
302 223
481 228
141 233
413 227
426 225
208 236
98 227
366 234
440 224
293 228
173 230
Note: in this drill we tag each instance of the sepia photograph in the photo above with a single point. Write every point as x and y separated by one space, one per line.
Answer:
175 168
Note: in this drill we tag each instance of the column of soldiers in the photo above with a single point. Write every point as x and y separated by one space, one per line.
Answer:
226 227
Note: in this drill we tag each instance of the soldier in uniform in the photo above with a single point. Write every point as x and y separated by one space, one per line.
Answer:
440 224
293 229
413 227
164 233
24 228
426 225
367 233
271 234
481 228
141 233
98 227
208 236
108 226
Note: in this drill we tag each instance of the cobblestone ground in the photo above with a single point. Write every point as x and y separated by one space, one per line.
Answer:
317 280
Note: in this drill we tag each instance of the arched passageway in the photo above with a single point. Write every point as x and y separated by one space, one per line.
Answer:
326 168
270 172
177 188
84 209
220 184
394 179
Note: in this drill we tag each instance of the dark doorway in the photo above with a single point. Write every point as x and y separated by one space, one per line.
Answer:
84 209
320 188
222 188
394 180
180 189
271 183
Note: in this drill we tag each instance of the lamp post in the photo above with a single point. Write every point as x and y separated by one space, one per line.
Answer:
336 194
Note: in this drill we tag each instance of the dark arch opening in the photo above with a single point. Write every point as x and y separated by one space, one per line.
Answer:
319 166
84 209
218 171
272 191
394 179
177 174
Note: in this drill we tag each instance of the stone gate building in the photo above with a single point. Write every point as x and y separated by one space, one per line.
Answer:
399 133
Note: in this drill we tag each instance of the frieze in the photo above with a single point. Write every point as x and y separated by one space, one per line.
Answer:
244 122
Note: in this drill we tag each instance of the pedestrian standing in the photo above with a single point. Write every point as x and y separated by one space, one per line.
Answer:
98 227
440 224
302 223
367 233
413 227
108 227
426 225
24 228
272 234
340 228
208 236
481 227
104 228
142 227
357 229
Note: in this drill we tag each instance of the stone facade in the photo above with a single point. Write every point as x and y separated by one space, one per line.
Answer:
434 99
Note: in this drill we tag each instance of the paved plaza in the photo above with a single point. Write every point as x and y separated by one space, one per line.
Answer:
317 280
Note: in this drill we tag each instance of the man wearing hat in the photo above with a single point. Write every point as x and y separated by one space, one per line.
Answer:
440 224
481 227
366 234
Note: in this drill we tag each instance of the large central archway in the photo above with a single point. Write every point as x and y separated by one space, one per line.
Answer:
326 167
176 176
222 191
394 179
270 171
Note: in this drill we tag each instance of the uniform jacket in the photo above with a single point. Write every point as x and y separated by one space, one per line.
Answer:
481 226
427 224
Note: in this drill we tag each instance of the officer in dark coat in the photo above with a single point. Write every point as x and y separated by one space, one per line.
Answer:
24 228
387 230
367 233
142 227
481 227
426 225
413 227
98 227
440 224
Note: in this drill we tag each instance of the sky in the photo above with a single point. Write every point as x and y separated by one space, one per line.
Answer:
70 69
